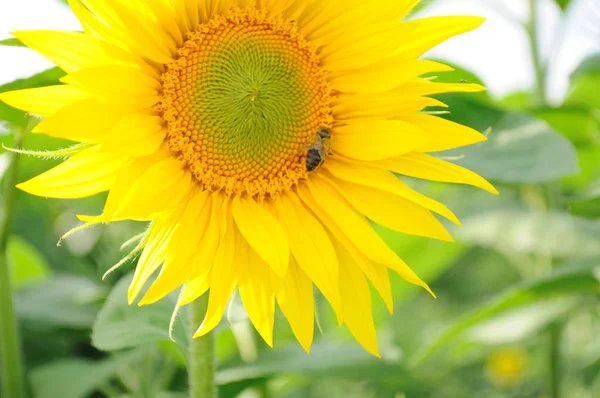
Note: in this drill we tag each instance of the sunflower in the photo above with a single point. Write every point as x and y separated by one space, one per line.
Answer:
198 116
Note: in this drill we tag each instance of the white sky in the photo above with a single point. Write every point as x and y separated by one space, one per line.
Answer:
498 52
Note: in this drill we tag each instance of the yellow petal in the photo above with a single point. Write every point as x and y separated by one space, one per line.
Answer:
294 10
311 247
209 241
372 177
145 35
181 248
135 135
427 87
187 14
429 32
164 13
118 85
377 273
379 106
445 134
392 211
85 174
100 21
297 303
195 288
333 209
43 101
71 51
330 18
274 7
422 165
224 274
377 139
145 195
155 251
257 295
263 233
222 6
357 305
357 47
87 120
127 178
384 75
202 262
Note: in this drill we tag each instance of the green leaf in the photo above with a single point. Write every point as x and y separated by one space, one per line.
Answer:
589 161
584 83
522 149
421 5
513 231
27 264
120 325
12 42
563 4
588 206
577 123
78 378
576 279
589 66
513 326
519 100
326 360
63 301
46 78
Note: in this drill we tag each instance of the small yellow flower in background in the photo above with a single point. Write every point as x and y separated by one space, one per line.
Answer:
506 366
258 138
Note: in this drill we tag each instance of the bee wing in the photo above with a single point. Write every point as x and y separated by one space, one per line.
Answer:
310 142
327 146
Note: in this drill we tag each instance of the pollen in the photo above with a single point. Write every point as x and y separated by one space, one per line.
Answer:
242 100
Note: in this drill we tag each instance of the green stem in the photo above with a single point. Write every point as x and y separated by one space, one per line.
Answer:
12 366
538 66
201 364
555 369
552 199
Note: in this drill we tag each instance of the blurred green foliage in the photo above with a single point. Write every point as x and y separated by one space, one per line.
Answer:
526 264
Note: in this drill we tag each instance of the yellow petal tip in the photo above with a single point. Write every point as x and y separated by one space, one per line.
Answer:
429 290
306 347
199 333
374 352
131 296
144 301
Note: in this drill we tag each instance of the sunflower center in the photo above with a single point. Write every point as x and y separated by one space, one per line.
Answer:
241 102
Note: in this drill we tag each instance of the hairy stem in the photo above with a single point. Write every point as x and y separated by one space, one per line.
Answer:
10 342
201 364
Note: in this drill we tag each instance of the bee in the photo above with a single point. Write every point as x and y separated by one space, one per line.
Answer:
319 149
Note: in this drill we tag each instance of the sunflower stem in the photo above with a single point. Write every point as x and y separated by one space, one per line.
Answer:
201 363
10 342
